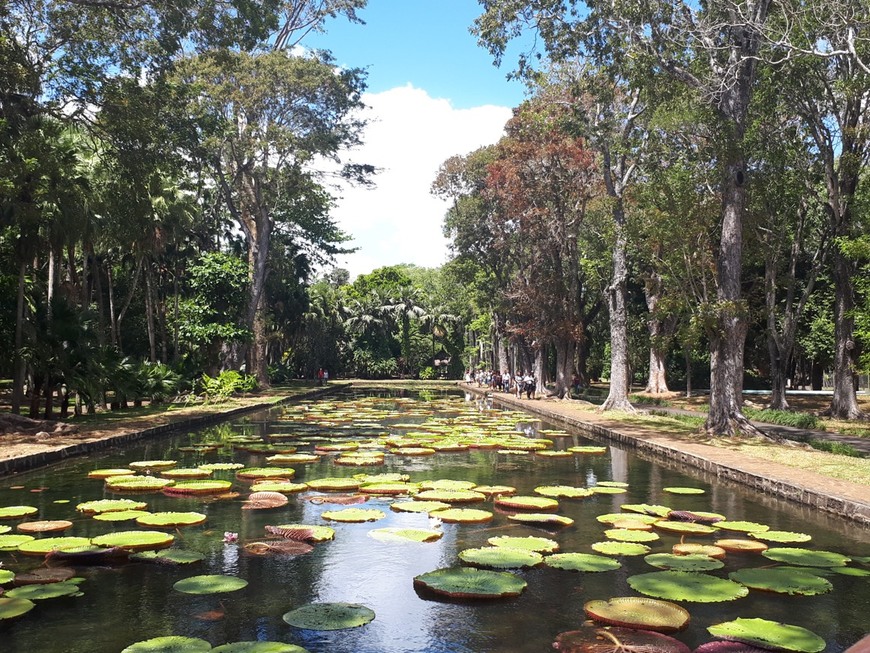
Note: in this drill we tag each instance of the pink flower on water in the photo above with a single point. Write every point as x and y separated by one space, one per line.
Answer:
230 537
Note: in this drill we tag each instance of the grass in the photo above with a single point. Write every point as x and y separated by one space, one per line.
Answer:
784 418
839 448
649 401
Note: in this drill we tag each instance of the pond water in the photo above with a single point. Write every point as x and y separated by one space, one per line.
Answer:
122 604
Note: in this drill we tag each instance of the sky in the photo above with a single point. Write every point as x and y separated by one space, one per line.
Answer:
432 93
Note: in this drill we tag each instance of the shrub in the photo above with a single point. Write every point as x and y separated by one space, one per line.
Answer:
783 418
427 374
839 448
226 384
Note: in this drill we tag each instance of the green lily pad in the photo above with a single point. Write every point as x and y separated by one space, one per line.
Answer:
210 584
683 490
581 562
299 458
405 534
769 634
256 473
542 519
11 608
284 487
782 581
493 490
389 489
391 477
607 489
638 612
171 519
614 517
17 512
137 483
110 505
611 484
169 557
621 548
738 545
12 542
48 544
106 473
120 515
539 544
563 491
462 515
588 449
629 535
447 484
186 473
329 616
142 465
691 562
221 467
169 644
781 537
353 515
500 557
201 487
692 548
135 540
45 591
305 532
806 557
646 509
684 527
687 586
741 526
6 576
849 571
471 583
418 506
259 647
451 496
5 529
334 484
520 502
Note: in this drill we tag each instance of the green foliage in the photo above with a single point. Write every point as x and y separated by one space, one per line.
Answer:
225 385
784 418
832 446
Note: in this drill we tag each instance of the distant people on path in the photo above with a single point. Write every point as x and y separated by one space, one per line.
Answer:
325 377
320 376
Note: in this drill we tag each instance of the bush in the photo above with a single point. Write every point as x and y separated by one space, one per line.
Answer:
839 448
427 374
226 384
783 418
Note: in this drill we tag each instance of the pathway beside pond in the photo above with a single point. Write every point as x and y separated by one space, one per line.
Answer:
800 485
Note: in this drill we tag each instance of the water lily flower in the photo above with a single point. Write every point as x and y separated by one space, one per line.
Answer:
230 537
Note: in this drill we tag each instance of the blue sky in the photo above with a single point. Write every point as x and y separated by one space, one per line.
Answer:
432 93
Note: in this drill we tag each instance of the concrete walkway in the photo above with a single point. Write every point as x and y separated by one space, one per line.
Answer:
844 498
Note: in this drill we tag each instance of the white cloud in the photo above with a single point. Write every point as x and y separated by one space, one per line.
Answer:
410 135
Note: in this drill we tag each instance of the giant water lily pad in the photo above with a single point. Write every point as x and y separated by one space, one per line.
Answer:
684 527
257 473
171 519
6 576
563 491
588 449
782 581
617 640
11 608
354 515
418 506
737 545
121 515
520 502
539 544
581 562
135 540
405 534
186 473
146 465
329 616
210 584
41 592
17 512
5 529
742 526
169 644
169 557
619 517
259 647
44 575
12 542
471 583
137 483
462 515
264 501
542 519
638 612
687 586
451 496
621 548
699 516
334 484
500 557
106 473
494 490
302 532
769 634
607 489
692 548
110 505
683 490
196 488
806 557
630 535
299 458
48 544
781 537
389 489
447 484
690 562
221 467
646 509
284 487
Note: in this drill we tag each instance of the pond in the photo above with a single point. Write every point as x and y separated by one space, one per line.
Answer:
128 601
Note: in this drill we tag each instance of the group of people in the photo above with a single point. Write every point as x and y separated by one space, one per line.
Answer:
517 383
322 376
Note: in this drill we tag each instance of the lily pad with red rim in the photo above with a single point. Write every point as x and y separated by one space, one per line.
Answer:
782 581
738 545
687 586
520 502
186 473
405 534
587 562
768 634
11 608
542 519
334 484
171 519
110 505
197 488
210 584
106 473
258 473
806 557
48 544
617 640
329 616
500 557
17 512
135 540
169 644
353 515
137 483
690 562
462 515
470 583
418 506
630 535
284 487
493 490
638 612
451 496
447 484
531 543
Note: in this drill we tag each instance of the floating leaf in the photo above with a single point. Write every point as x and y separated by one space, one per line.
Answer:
388 489
353 515
500 557
588 449
782 581
539 544
221 467
684 527
264 501
519 502
17 512
186 473
137 483
690 562
405 535
621 548
121 515
451 496
611 484
741 546
494 490
285 487
562 491
721 646
614 517
203 487
769 634
617 640
646 509
258 647
741 526
683 490
333 484
145 465
329 616
210 584
339 499
542 519
418 506
302 532
43 575
695 516
169 644
135 540
6 576
257 473
581 562
5 529
471 583
11 608
110 505
462 515
447 484
687 586
638 612
12 542
691 548
171 519
44 591
106 473
277 547
630 535
606 489
169 557
87 555
47 544
806 557
780 537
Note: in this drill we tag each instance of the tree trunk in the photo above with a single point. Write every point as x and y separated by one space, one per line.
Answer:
844 403
687 355
17 359
101 300
149 316
656 380
539 371
258 230
565 353
617 398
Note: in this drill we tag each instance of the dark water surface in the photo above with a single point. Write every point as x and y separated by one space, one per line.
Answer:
136 601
